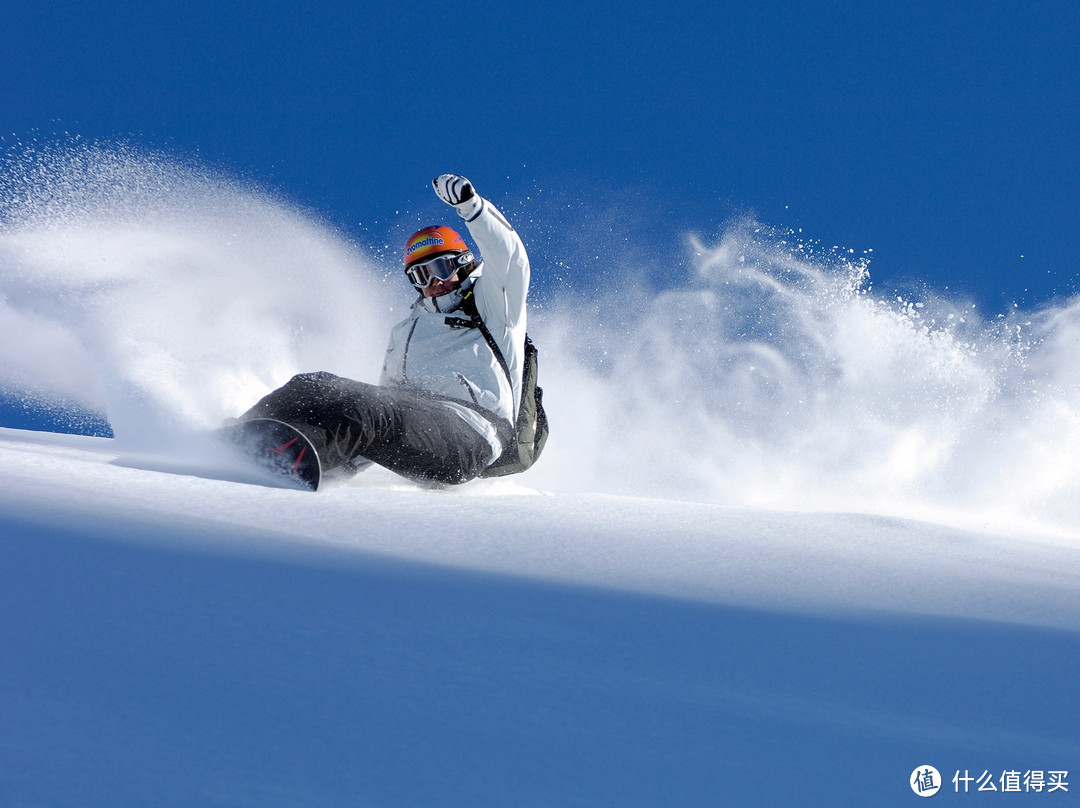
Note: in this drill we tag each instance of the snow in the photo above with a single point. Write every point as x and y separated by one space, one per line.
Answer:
854 552
825 562
176 639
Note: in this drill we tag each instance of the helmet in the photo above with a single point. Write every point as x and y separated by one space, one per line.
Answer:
432 241
436 253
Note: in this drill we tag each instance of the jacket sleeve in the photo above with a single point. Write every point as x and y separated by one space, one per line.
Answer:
501 288
503 284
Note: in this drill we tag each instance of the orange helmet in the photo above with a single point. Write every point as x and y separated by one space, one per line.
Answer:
436 253
432 241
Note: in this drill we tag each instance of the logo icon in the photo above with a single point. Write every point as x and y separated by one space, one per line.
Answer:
925 781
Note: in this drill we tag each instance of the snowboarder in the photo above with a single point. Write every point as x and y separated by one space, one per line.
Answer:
448 399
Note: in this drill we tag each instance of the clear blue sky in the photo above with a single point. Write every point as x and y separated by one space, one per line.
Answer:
943 136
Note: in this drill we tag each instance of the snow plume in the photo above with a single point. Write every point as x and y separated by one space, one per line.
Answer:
170 297
165 295
777 378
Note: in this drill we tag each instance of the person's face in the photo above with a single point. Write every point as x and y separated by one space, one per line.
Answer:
437 287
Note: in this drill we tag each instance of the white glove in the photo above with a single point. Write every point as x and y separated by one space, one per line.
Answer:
453 189
457 191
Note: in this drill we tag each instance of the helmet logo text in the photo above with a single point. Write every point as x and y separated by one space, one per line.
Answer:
429 241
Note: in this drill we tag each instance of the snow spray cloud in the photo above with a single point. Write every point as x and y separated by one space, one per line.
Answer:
171 297
777 378
166 295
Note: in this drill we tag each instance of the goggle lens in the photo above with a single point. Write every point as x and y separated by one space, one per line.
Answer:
441 267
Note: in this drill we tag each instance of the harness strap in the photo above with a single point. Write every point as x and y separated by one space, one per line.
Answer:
468 305
505 428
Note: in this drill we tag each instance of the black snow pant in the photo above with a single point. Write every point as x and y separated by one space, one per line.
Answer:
407 432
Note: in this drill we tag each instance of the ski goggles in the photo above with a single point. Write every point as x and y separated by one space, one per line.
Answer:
439 268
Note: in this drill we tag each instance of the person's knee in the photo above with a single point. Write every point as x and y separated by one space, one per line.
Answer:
318 378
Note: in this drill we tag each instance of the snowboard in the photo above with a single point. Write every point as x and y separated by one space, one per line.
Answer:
280 449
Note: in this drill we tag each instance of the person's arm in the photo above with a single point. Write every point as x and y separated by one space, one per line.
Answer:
504 282
501 289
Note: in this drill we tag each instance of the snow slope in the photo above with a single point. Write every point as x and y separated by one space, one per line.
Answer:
788 541
172 639
824 562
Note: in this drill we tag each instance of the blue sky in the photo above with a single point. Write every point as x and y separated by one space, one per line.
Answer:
942 136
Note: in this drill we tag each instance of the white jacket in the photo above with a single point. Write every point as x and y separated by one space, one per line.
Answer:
433 350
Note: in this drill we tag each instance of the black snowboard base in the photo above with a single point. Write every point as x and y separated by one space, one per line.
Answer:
278 448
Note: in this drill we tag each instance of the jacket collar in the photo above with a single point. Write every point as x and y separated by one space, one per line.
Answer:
449 302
